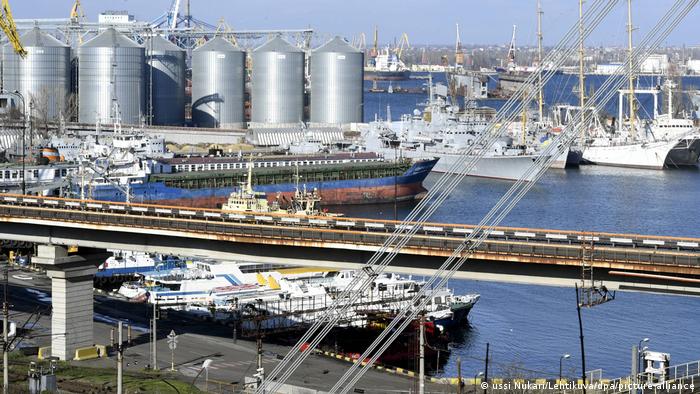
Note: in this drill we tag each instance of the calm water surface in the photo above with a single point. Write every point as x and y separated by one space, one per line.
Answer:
529 327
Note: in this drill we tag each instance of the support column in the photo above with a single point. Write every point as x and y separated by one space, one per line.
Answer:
71 299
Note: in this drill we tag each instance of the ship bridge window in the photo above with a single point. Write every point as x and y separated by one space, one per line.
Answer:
35 173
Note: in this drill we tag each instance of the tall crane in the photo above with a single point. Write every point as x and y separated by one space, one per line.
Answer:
76 12
403 44
7 23
511 49
375 47
459 54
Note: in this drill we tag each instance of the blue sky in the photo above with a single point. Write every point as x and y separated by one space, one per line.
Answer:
425 21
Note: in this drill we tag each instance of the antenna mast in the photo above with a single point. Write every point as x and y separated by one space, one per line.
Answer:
540 100
581 75
630 98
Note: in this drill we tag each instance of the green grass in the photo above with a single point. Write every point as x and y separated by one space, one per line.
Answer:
90 379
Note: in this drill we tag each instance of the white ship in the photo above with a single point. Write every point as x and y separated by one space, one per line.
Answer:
662 142
443 132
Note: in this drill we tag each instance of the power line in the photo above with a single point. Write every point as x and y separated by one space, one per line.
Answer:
504 206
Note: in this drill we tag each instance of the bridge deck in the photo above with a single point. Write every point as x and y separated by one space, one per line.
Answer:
628 254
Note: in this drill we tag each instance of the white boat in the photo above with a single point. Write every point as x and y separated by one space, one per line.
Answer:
663 142
441 131
124 262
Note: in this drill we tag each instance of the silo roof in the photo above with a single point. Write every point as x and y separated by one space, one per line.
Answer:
111 38
338 45
277 44
161 44
38 38
218 44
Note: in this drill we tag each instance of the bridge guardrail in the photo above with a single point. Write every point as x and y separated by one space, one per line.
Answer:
435 237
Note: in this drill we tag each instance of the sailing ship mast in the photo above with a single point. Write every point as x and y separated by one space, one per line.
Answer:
581 76
630 98
540 100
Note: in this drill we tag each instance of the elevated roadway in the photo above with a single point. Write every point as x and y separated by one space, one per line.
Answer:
520 255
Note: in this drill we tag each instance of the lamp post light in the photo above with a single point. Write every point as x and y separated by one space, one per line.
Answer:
640 354
477 376
561 362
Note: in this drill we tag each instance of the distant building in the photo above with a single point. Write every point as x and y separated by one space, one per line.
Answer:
655 64
693 66
115 18
607 69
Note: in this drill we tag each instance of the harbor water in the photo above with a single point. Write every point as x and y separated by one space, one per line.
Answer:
529 327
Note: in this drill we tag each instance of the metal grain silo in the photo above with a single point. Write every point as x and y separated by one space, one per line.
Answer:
111 70
277 95
43 77
165 73
218 79
337 74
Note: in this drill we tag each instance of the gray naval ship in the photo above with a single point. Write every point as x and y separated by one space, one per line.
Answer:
442 131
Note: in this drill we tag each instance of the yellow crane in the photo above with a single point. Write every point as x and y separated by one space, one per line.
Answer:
8 26
225 30
403 44
76 12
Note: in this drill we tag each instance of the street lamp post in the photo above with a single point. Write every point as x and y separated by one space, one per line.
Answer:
16 93
639 355
477 376
561 361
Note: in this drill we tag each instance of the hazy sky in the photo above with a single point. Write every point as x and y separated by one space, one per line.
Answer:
425 21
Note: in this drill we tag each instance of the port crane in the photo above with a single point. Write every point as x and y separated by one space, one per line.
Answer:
76 12
403 44
459 53
7 23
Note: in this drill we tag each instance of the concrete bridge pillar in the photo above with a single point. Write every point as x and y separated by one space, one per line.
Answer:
71 299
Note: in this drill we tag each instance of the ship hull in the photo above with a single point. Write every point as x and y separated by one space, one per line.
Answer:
387 75
504 167
656 155
408 186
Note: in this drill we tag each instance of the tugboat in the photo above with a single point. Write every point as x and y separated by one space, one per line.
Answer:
303 203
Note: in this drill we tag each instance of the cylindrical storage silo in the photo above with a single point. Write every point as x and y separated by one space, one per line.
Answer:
42 77
165 76
218 79
111 71
337 78
277 96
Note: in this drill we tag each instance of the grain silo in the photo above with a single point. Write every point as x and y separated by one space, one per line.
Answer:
165 76
277 96
111 71
43 77
218 79
337 74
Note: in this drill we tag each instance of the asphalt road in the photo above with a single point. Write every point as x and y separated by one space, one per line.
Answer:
29 292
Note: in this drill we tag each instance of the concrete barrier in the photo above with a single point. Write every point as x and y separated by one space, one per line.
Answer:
89 353
44 353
